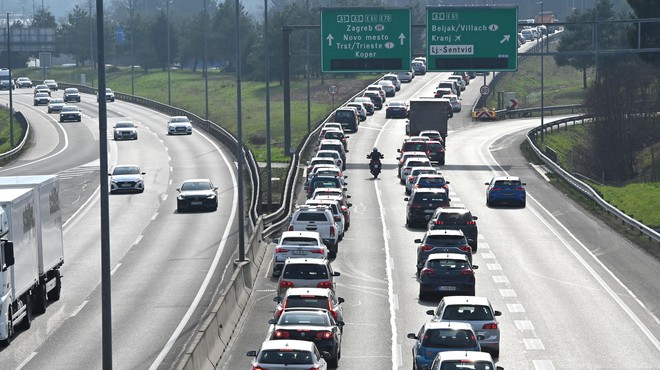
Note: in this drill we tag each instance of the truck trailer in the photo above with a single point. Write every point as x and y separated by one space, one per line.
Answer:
427 114
32 250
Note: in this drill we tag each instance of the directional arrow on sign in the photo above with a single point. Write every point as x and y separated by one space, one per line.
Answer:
505 39
514 103
330 38
402 37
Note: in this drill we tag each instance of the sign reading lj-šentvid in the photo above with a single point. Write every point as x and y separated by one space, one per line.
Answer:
365 39
472 38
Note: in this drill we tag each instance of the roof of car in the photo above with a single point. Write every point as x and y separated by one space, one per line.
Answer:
324 292
454 209
307 234
289 344
461 299
312 261
448 324
453 232
449 256
432 175
509 178
430 190
464 355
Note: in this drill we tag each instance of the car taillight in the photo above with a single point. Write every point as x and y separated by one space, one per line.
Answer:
520 189
314 368
290 227
324 335
465 248
414 205
439 222
426 271
281 334
332 231
281 250
334 314
319 251
344 209
428 153
467 272
495 189
470 223
426 248
286 284
309 168
324 284
257 367
411 178
490 326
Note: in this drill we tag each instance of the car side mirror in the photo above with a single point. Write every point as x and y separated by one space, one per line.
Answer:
341 300
109 174
430 312
475 218
475 267
417 241
524 183
345 176
498 313
178 189
144 173
272 321
447 182
348 196
448 199
252 353
350 205
276 240
398 150
345 189
8 252
326 355
499 368
398 158
406 199
215 188
411 336
486 183
335 273
277 299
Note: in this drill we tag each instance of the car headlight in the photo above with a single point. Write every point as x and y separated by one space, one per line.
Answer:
180 197
210 196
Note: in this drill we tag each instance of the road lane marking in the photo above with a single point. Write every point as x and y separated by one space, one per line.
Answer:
494 266
138 239
501 279
488 255
515 308
533 343
524 325
508 293
112 272
77 310
25 362
543 365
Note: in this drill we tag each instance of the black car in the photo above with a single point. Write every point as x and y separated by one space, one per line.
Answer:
324 182
310 324
441 241
456 218
375 98
396 109
348 119
447 274
197 194
70 113
71 94
422 204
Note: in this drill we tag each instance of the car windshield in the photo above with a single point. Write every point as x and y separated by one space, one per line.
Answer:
285 356
325 183
126 170
311 302
445 240
69 109
448 338
337 135
299 240
124 124
466 365
305 271
467 313
179 119
108 90
196 185
344 114
71 91
304 318
397 104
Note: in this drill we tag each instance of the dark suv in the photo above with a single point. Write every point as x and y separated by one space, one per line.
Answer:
422 204
348 119
324 182
456 218
441 241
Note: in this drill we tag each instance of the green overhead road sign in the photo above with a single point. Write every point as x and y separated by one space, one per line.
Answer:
472 38
365 39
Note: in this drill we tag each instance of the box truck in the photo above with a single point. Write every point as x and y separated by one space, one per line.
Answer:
32 250
427 114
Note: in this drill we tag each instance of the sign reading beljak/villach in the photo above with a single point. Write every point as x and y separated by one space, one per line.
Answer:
472 38
365 39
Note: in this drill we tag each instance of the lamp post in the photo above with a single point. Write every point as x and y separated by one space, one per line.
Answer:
206 66
542 106
130 13
240 154
269 167
169 81
11 100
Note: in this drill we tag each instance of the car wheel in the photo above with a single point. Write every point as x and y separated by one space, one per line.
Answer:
524 203
10 329
488 202
135 137
423 296
442 162
79 119
61 120
333 362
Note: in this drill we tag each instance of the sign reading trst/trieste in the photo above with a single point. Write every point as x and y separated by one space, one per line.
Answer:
365 39
472 38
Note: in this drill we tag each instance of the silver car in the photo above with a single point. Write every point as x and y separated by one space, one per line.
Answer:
125 130
306 273
179 125
126 178
476 311
298 244
288 355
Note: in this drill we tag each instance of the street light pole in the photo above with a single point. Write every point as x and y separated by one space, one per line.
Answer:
542 80
169 81
11 100
269 167
130 11
206 65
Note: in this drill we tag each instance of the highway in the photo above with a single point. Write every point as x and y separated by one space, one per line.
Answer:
166 267
574 294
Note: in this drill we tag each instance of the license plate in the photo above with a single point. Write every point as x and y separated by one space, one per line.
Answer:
429 210
446 288
125 185
196 203
299 252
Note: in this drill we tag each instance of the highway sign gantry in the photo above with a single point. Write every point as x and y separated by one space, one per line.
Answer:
472 38
365 39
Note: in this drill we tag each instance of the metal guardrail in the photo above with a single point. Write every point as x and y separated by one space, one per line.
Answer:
583 187
16 151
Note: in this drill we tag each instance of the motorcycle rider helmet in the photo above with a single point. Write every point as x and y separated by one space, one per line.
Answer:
375 150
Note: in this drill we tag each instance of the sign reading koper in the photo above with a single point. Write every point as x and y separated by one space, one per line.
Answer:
365 39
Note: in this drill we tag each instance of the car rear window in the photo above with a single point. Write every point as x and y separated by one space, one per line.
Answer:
445 240
431 181
454 218
285 356
298 240
334 135
419 163
430 197
434 146
312 216
342 114
412 146
448 338
447 264
507 183
307 302
466 365
305 271
335 147
467 313
325 183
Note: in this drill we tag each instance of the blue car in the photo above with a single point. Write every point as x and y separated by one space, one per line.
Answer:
506 189
436 337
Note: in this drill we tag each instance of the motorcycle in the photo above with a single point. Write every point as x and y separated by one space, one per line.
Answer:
375 167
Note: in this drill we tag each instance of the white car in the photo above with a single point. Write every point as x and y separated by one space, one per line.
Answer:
464 360
126 178
297 244
455 102
388 86
395 80
410 163
405 76
362 110
179 125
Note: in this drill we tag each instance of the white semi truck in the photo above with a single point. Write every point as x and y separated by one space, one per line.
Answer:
31 251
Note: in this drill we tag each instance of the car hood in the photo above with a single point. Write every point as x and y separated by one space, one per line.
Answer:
179 124
125 129
196 193
126 177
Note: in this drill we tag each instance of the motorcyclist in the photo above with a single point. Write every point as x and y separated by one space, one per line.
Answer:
375 157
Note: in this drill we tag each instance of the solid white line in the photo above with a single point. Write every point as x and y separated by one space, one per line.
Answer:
651 337
212 268
112 272
539 169
25 362
77 310
395 349
137 240
154 216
